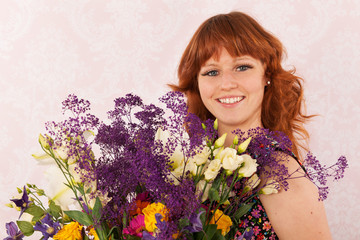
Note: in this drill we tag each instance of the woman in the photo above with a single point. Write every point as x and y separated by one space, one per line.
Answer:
231 70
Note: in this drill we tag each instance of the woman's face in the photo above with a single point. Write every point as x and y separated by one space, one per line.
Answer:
232 89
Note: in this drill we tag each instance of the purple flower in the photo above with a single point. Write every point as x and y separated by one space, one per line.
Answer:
23 202
319 174
255 213
195 223
246 235
13 232
47 227
131 159
148 236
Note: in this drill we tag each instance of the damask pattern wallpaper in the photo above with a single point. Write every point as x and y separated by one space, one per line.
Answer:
101 50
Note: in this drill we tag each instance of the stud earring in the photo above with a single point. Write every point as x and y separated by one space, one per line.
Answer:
268 82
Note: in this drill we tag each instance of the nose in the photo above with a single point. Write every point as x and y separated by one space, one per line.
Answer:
228 80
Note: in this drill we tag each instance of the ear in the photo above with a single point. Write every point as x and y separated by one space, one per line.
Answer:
266 81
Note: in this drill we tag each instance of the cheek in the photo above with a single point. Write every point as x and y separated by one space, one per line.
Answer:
255 85
204 89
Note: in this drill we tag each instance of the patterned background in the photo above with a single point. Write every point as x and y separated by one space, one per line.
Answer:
101 50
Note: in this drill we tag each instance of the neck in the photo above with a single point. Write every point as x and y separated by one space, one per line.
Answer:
230 135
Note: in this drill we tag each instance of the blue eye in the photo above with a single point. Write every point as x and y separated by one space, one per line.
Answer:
243 68
211 73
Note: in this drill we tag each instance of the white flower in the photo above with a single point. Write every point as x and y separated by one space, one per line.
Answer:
176 174
271 187
177 157
60 152
212 170
57 190
230 160
248 167
217 152
202 156
191 166
200 188
252 183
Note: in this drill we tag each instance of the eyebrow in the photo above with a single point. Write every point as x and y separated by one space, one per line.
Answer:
235 59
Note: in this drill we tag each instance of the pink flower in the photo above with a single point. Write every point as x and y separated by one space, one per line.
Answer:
136 226
266 225
256 230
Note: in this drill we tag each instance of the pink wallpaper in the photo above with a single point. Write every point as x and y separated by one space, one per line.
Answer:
100 50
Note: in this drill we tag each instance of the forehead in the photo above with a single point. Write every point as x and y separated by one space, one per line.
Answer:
224 55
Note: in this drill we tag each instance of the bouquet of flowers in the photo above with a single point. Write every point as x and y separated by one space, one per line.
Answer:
153 173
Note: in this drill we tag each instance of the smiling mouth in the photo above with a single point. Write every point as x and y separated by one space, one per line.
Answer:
231 100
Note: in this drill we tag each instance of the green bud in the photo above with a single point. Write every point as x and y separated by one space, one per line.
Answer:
203 126
236 140
44 141
228 172
220 141
243 146
40 192
9 205
216 124
19 190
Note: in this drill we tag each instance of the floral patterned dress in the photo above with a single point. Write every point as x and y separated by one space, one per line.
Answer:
257 219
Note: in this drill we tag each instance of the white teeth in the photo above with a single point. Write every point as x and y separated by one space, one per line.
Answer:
230 100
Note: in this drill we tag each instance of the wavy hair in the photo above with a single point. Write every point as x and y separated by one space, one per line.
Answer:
282 106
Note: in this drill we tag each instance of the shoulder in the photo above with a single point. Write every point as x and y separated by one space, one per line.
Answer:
297 212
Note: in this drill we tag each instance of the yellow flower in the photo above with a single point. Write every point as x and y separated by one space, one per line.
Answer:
71 231
150 211
92 232
222 221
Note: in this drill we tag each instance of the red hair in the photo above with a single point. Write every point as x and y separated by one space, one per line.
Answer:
239 34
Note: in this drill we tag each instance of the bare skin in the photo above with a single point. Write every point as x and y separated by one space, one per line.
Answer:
297 213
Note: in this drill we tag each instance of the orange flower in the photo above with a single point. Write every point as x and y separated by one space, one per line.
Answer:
71 231
137 208
93 233
222 221
150 211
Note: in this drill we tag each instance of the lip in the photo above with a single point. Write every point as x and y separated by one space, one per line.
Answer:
230 100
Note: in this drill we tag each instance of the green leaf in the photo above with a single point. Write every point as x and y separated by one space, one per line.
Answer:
81 190
210 231
214 195
96 212
80 217
35 211
36 218
216 183
218 235
183 222
242 210
88 190
25 227
54 210
130 237
113 233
